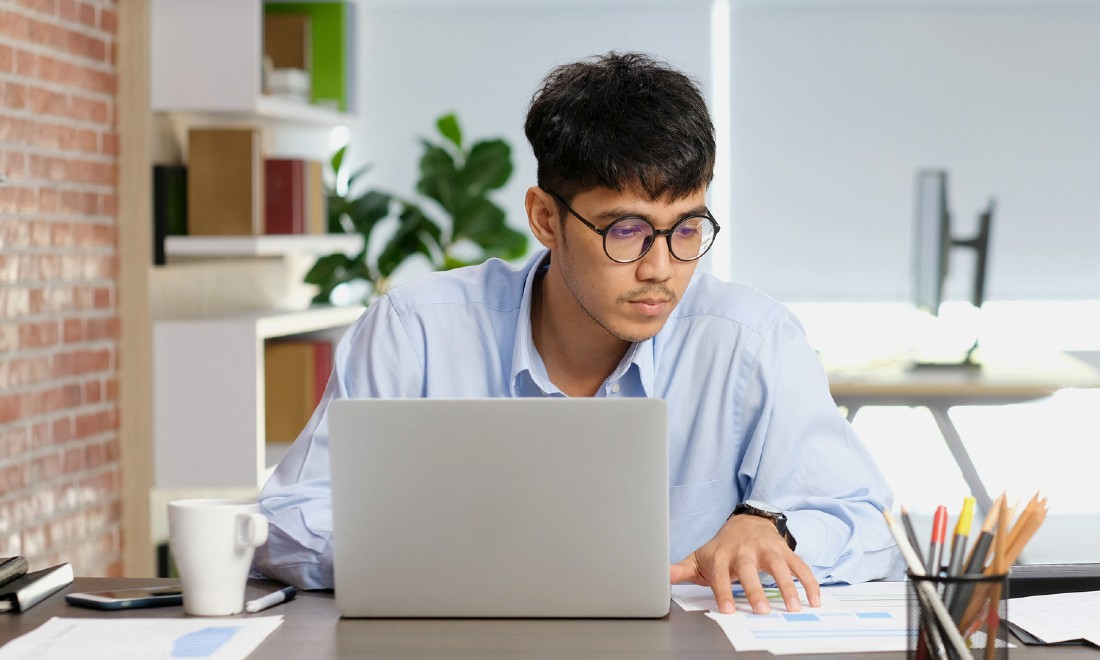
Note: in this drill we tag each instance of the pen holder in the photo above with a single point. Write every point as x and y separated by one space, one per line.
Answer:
975 606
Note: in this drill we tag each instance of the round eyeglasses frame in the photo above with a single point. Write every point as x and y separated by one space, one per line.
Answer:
667 233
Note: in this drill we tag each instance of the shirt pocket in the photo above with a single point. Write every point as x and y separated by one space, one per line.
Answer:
692 499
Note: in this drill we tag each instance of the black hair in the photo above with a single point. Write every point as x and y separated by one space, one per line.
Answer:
619 120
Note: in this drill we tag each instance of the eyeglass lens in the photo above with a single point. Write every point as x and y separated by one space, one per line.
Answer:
627 239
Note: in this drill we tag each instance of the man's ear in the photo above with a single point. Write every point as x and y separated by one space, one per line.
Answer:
542 216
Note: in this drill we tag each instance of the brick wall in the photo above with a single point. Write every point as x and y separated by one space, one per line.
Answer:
59 325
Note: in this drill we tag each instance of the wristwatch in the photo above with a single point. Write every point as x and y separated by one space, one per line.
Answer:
765 510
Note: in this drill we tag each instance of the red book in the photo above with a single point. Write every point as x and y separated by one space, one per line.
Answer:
286 202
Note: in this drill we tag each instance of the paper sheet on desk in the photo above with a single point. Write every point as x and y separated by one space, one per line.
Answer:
1058 617
851 619
142 639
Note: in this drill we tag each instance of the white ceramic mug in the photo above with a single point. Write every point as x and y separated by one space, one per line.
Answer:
212 542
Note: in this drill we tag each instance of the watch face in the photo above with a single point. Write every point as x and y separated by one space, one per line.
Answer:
763 506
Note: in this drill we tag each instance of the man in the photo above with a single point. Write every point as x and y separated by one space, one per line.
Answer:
614 307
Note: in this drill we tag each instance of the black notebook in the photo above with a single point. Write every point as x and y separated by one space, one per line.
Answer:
25 592
11 568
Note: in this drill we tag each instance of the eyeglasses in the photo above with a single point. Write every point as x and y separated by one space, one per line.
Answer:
629 238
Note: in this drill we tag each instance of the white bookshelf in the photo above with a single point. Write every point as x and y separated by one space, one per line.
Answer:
207 57
262 246
208 394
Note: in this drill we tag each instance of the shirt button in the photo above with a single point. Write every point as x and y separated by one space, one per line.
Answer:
615 388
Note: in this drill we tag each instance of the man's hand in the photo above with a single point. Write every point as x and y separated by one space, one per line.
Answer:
745 546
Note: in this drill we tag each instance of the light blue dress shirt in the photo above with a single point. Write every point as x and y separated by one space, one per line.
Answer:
749 413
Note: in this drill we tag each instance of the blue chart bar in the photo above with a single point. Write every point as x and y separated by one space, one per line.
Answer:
203 643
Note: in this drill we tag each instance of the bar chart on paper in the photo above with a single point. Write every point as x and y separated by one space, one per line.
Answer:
141 639
851 619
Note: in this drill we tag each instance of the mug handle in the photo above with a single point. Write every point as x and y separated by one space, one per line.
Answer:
251 530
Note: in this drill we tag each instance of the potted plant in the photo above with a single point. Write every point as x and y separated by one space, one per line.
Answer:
455 182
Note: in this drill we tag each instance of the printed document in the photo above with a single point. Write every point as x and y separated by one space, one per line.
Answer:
142 639
851 619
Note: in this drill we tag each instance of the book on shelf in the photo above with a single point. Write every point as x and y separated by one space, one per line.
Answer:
294 197
296 372
329 42
287 40
318 203
26 591
12 568
287 56
224 182
169 206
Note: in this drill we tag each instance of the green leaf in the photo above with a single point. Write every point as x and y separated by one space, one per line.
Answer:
338 159
358 173
416 233
488 166
440 179
448 126
367 210
477 218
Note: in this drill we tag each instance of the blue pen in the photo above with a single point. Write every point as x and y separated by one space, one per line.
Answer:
270 600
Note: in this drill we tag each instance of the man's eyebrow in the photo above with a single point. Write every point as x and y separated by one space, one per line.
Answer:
622 211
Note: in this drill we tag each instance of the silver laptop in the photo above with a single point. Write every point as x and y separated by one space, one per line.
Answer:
500 507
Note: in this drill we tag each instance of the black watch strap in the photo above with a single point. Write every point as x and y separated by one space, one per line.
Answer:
778 518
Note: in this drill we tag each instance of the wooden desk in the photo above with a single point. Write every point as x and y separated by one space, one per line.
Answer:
313 630
1006 376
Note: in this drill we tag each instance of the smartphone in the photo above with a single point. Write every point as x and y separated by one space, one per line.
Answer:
124 599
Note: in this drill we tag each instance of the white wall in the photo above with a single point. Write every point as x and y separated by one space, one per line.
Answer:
836 104
420 59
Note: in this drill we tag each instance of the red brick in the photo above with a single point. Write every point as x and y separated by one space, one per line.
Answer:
112 389
73 461
108 20
44 468
12 478
87 14
15 130
101 329
47 7
10 407
103 298
39 335
73 330
108 143
13 25
86 109
67 10
16 166
40 435
7 58
14 303
45 34
15 95
93 392
62 430
26 63
48 102
9 268
49 201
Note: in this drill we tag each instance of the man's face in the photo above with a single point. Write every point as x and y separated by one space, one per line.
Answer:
630 301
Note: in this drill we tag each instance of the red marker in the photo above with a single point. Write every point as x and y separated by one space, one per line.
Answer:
939 533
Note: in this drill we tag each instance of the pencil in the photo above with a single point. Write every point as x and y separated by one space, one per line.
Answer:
925 589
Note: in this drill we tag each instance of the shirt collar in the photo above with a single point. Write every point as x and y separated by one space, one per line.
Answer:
528 368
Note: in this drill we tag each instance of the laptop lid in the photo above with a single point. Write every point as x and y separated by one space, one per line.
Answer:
549 507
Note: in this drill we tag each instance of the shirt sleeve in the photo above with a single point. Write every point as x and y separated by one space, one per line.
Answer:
804 458
375 358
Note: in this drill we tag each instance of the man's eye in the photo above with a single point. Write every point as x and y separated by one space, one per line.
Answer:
625 231
688 230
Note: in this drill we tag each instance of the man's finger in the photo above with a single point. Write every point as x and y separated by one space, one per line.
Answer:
781 573
720 584
748 574
809 582
685 571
